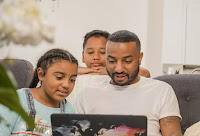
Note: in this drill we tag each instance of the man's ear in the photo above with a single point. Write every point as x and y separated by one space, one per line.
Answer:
83 60
40 73
140 59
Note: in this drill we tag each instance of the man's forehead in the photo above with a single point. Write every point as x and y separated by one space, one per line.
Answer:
111 46
121 50
121 44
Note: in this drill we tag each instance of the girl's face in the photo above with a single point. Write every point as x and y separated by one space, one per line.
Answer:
94 52
59 80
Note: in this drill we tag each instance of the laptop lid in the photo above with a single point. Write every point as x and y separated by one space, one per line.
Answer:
98 125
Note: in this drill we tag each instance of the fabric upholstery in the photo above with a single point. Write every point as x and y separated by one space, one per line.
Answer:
187 89
22 71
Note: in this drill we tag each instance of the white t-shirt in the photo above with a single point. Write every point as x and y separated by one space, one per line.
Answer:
152 98
83 81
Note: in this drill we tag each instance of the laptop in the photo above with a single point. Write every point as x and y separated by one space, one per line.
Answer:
98 125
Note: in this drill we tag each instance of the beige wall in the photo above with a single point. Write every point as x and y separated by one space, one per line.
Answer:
154 37
74 18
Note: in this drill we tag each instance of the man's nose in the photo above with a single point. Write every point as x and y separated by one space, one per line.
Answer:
119 67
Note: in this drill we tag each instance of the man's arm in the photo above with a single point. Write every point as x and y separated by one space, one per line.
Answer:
170 126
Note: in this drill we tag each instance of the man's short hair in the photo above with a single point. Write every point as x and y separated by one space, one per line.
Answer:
124 36
95 33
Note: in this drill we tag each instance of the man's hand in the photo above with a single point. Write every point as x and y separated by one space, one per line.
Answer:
170 126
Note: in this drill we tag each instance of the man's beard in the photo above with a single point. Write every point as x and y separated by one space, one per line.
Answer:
130 79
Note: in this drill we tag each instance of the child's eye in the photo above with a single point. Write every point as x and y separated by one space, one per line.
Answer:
59 78
90 52
72 80
102 52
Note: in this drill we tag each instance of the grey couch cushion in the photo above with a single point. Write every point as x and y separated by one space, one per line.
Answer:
22 71
187 89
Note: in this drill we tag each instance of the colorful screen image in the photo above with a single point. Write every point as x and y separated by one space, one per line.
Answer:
99 125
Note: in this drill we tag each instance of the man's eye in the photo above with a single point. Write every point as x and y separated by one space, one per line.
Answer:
128 62
111 61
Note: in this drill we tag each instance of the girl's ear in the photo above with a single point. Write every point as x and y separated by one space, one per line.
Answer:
40 73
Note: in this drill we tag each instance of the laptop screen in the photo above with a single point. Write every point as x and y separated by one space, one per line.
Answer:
98 125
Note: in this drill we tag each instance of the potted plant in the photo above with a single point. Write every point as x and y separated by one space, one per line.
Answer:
21 22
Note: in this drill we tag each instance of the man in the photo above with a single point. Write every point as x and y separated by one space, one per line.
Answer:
128 93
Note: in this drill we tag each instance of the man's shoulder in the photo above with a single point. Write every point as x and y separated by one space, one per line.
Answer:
154 82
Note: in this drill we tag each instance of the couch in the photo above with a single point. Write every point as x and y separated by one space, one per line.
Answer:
187 90
22 71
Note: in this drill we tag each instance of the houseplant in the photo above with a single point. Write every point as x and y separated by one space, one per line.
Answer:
21 23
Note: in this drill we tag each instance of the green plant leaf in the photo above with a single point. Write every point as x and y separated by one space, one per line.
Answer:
177 71
9 97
